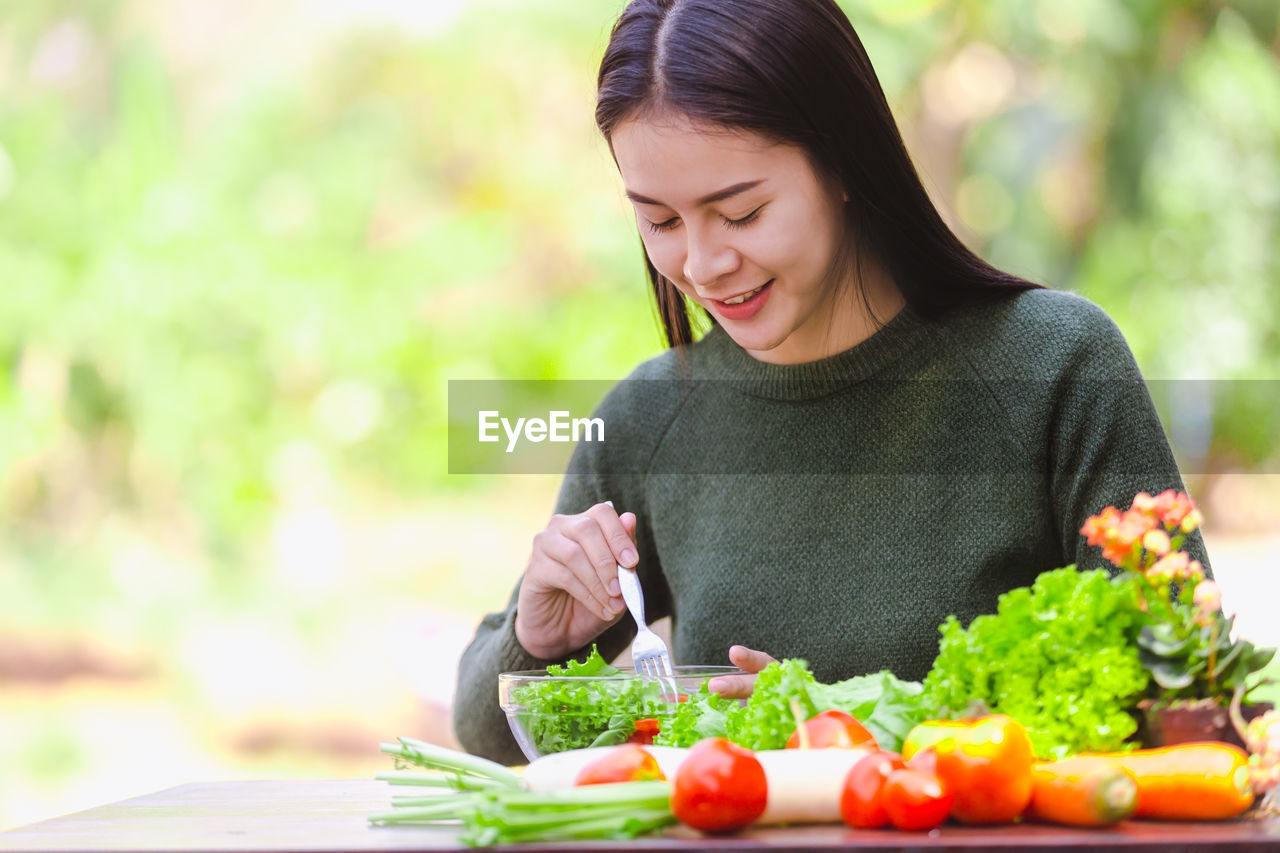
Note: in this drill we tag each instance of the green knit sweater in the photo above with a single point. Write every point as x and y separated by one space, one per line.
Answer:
839 510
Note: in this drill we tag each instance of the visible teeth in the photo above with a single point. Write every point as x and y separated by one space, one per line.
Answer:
744 297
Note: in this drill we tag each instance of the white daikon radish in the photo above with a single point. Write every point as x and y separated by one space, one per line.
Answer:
804 785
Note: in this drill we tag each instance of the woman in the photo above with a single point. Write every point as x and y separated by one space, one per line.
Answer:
879 429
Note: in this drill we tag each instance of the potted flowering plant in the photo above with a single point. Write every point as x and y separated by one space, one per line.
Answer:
1186 645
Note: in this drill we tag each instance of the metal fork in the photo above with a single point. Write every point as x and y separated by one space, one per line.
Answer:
648 651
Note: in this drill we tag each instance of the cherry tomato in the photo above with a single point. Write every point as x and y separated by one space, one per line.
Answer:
719 787
646 731
833 730
861 803
626 763
915 800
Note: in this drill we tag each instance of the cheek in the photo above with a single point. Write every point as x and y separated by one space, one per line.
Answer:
795 243
776 249
813 241
666 254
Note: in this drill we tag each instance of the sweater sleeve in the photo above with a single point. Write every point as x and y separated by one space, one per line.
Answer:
612 470
1105 439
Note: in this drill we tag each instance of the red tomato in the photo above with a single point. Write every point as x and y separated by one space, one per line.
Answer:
915 800
626 763
719 787
861 803
646 731
833 730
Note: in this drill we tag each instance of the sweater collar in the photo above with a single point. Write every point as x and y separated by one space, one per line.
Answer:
722 359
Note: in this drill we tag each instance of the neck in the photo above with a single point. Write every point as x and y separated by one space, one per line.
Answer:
849 318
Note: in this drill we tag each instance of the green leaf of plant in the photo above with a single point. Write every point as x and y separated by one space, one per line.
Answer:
1225 662
1170 675
1161 632
620 728
1164 643
1259 658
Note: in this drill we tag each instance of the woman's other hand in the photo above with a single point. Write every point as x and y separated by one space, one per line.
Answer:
740 686
570 591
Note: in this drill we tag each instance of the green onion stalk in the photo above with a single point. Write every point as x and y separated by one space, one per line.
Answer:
491 804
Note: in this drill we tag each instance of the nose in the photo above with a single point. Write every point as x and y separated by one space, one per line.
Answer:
708 259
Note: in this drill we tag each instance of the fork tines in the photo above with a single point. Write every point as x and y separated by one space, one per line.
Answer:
657 666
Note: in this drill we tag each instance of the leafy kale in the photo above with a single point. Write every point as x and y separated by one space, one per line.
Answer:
1058 656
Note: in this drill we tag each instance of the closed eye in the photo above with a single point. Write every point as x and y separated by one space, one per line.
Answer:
669 224
744 221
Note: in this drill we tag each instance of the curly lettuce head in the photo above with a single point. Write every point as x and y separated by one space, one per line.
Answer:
1058 656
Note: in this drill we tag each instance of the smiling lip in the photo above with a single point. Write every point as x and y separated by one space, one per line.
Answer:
744 310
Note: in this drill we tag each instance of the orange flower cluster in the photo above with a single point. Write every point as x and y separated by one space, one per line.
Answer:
1186 641
1144 538
1263 741
1207 601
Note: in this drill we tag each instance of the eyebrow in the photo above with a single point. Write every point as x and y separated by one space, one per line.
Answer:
718 195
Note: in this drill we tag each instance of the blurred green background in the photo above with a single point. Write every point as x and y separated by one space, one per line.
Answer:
243 248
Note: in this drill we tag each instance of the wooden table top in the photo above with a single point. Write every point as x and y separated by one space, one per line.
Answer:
329 816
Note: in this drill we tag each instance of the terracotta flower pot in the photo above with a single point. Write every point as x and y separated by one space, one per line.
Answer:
1188 720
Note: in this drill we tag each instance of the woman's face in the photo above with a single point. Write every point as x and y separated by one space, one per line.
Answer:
731 215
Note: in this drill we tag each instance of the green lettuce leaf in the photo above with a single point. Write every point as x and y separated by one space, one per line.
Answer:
888 707
704 715
768 718
560 715
1059 656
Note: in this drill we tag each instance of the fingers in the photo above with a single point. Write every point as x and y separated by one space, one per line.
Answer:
595 563
561 563
740 686
609 543
580 554
749 659
732 686
628 520
619 532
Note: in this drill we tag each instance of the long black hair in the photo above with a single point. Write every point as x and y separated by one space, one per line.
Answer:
792 71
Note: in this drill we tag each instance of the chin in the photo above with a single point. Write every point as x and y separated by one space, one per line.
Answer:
755 341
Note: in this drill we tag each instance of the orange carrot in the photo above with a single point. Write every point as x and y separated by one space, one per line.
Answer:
1082 791
1191 781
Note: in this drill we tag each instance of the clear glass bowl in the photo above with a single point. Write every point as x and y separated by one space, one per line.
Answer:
550 713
